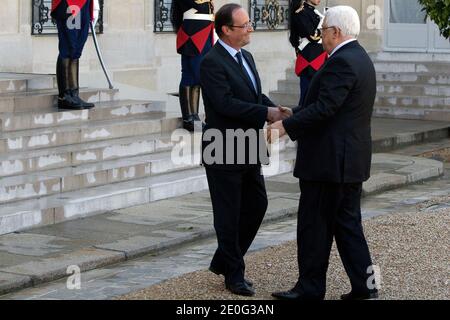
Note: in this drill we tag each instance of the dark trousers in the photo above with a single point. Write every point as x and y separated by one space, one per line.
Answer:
328 210
190 67
304 85
239 203
72 38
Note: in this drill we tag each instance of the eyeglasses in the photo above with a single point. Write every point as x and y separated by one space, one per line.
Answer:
248 26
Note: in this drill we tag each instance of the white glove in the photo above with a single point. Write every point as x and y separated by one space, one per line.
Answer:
96 11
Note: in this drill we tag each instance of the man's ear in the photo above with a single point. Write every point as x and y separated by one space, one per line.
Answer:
336 32
225 29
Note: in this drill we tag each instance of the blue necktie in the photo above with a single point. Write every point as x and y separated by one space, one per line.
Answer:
241 64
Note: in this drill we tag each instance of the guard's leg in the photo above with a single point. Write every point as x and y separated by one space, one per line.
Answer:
74 85
65 99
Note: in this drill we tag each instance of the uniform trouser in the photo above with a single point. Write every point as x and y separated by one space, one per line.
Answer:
190 67
72 31
304 85
328 210
239 203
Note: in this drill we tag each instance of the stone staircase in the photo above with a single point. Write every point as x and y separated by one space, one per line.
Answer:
61 165
413 86
409 86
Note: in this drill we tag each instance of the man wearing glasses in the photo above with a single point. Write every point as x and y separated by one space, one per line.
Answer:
233 101
333 159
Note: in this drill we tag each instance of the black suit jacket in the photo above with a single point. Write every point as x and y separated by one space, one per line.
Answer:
333 125
231 102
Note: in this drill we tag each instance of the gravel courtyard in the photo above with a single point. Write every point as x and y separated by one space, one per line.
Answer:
411 250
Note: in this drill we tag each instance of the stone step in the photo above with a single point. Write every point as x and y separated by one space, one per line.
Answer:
382 99
396 112
290 74
78 204
414 78
411 66
437 150
412 90
284 98
70 178
23 82
439 77
434 102
16 163
385 56
26 162
288 86
391 134
90 201
37 100
74 134
52 117
55 181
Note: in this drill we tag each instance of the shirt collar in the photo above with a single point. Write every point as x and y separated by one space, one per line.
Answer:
232 51
340 46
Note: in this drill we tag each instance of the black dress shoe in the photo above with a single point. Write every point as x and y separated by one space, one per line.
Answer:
248 282
216 271
240 288
359 296
287 295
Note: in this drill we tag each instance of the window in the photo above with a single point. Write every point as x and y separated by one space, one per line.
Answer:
162 16
42 22
269 14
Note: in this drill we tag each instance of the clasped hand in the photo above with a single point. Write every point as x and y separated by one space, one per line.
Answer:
275 120
278 113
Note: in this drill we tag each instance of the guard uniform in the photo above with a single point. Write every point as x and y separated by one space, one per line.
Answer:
305 37
72 18
193 22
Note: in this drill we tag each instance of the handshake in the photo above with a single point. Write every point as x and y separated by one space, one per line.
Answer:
275 114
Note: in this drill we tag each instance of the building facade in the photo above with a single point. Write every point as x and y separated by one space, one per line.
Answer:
139 48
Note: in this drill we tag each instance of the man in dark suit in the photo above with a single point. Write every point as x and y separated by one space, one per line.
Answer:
236 112
333 159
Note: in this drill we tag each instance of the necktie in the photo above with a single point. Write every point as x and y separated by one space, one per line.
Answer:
241 64
239 57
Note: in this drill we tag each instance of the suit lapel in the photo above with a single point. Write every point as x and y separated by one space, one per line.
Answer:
233 63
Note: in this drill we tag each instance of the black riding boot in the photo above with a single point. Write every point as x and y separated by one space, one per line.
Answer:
74 85
189 102
195 102
65 99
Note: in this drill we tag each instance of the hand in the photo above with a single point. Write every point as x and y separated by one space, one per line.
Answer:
275 130
277 113
287 112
